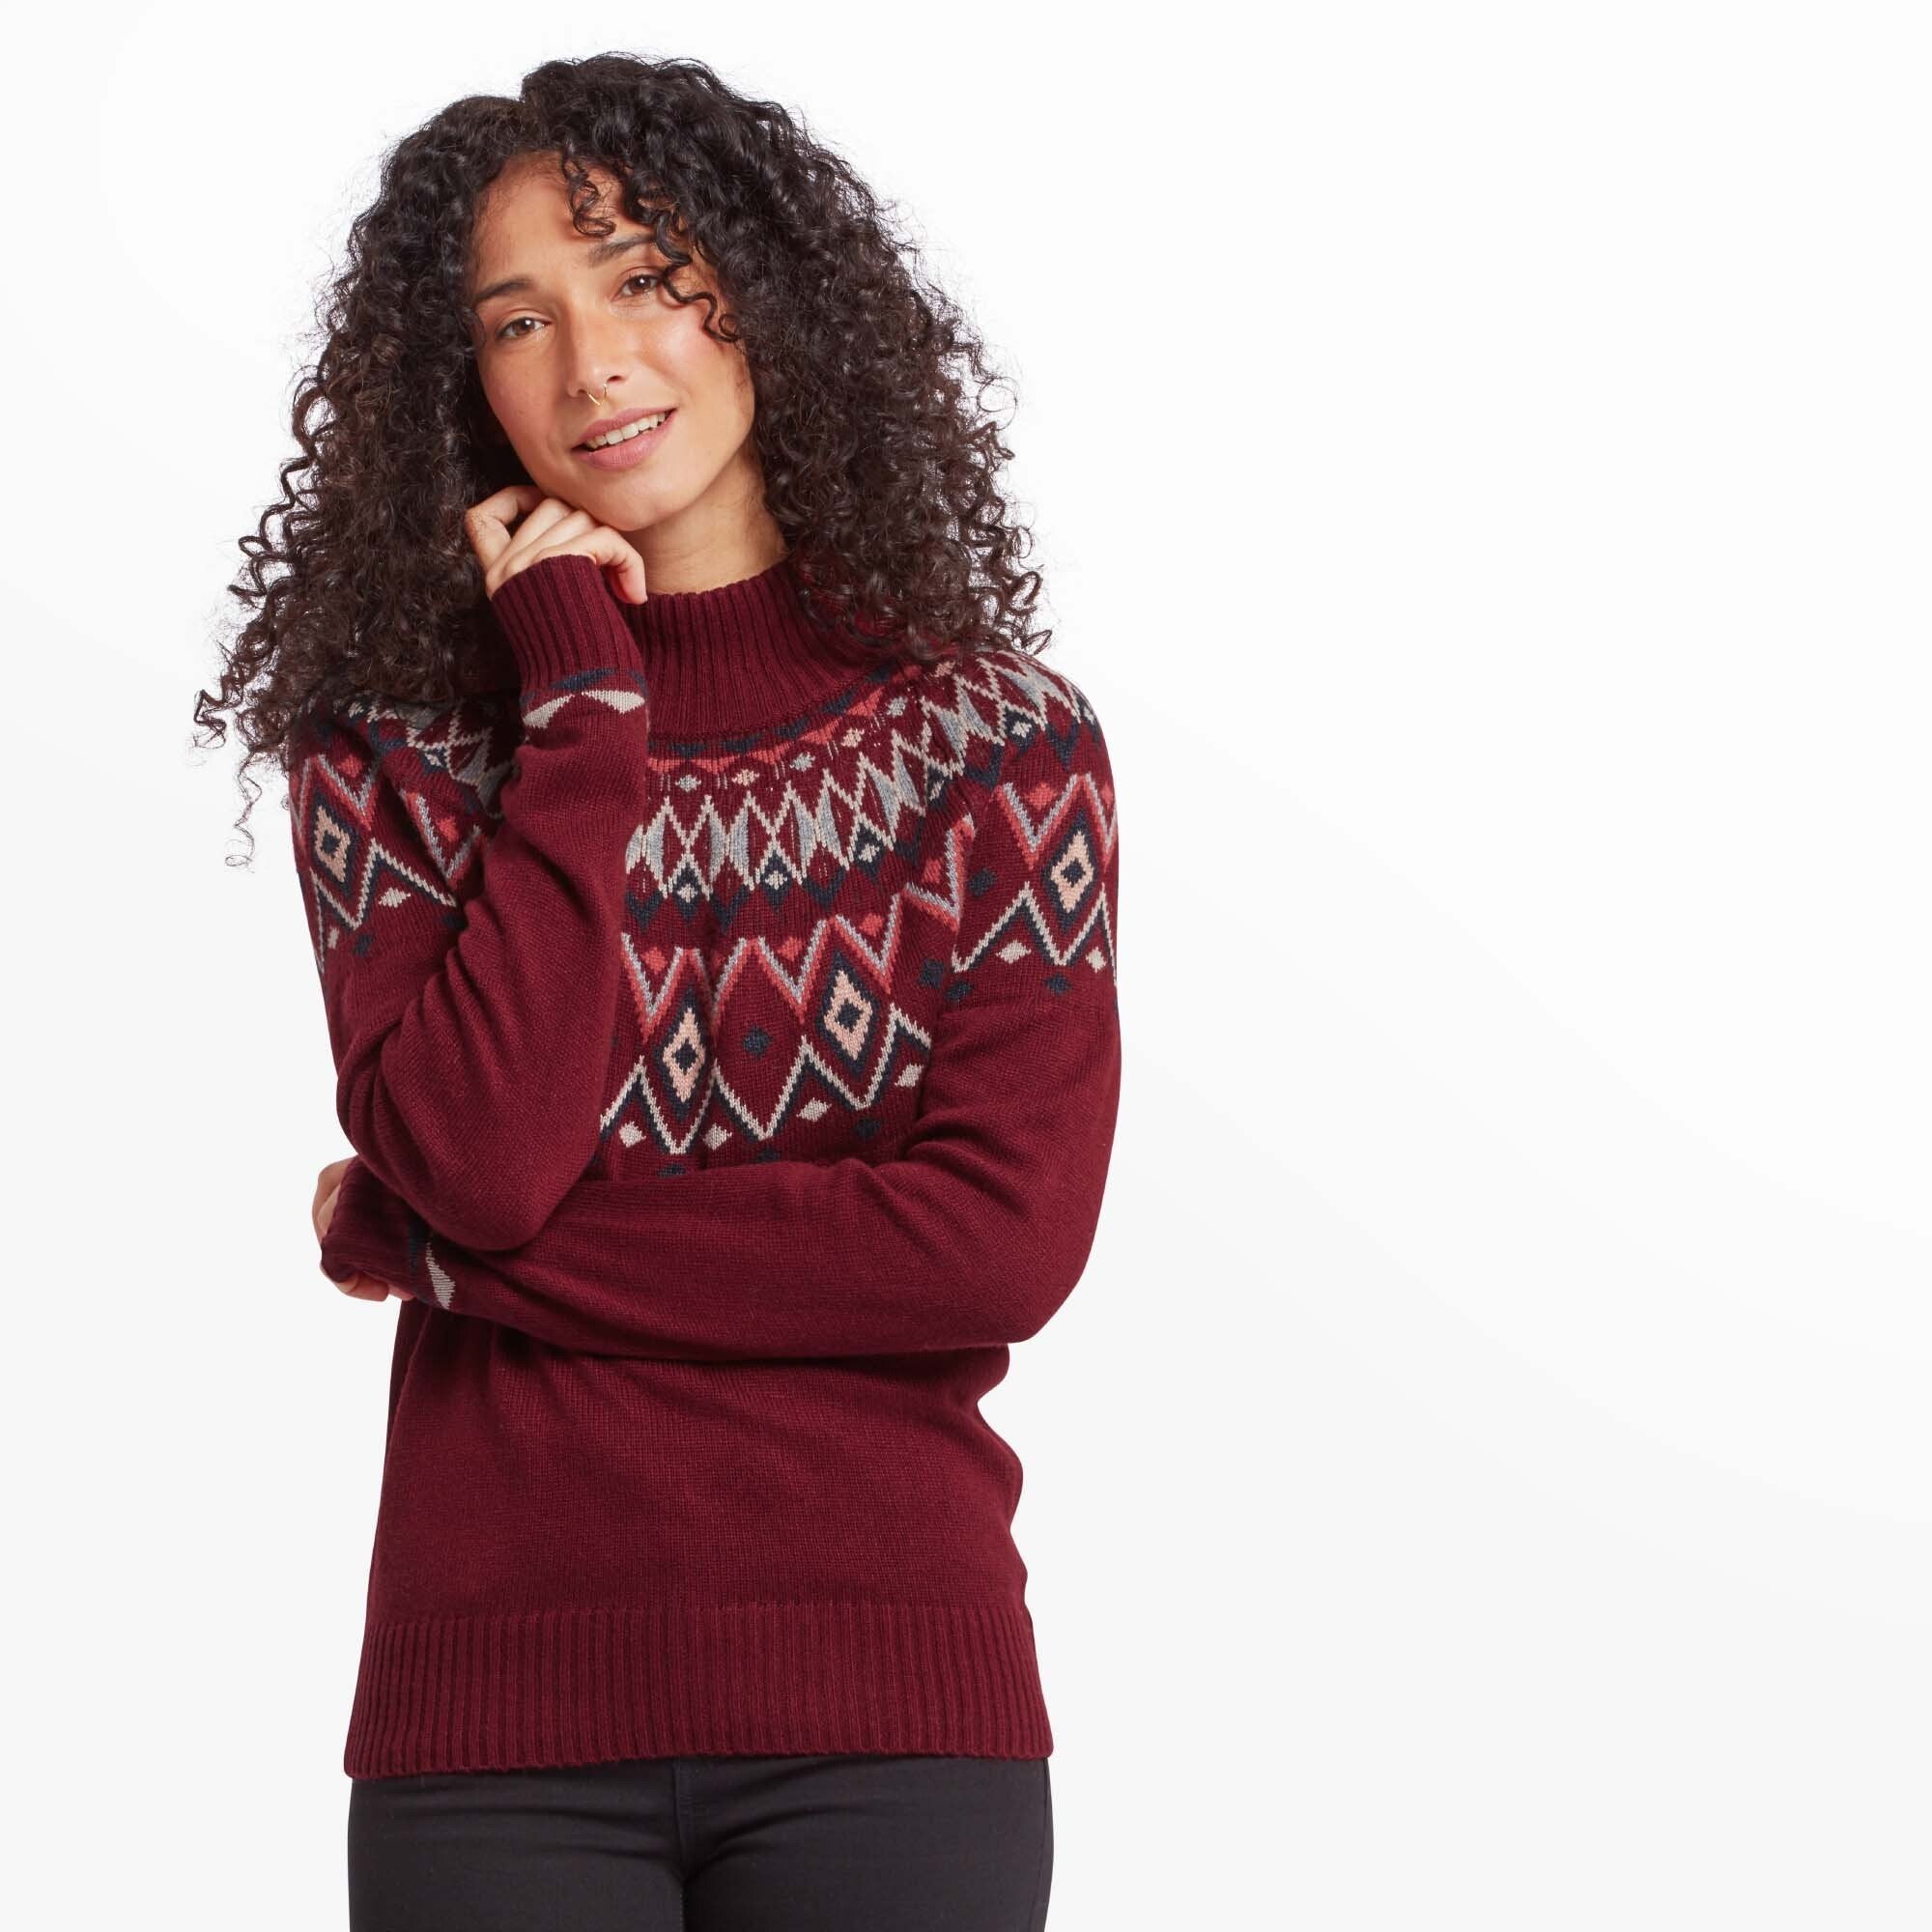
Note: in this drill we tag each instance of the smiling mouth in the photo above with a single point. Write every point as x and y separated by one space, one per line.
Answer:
663 418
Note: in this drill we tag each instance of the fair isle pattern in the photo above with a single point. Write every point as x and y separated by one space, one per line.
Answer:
1061 911
842 722
823 999
724 855
853 1037
810 1015
621 690
445 765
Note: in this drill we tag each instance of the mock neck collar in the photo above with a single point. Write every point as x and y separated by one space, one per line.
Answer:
741 656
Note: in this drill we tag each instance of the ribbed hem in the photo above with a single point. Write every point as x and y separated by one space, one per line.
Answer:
557 1688
561 620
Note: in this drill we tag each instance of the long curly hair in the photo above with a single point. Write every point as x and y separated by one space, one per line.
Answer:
880 460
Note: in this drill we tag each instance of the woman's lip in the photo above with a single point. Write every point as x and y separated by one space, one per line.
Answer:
630 452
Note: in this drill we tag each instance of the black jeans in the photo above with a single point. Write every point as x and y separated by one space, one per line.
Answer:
708 1844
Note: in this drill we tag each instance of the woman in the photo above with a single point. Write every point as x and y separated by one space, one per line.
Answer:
715 904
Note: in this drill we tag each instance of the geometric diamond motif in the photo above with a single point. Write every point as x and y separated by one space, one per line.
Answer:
847 1014
1072 872
333 846
685 1054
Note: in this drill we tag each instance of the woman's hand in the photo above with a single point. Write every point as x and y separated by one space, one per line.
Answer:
329 1184
550 528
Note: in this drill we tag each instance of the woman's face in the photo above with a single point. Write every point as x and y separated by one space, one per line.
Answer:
562 318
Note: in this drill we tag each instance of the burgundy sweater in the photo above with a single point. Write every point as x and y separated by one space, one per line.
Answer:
724 1026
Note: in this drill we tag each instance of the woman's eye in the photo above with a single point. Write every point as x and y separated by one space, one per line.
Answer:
503 334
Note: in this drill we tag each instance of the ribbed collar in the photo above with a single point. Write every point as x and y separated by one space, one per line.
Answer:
740 658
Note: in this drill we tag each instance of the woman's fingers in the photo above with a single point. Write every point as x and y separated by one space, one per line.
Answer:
327 1184
622 564
539 518
361 1286
487 525
369 1287
547 527
550 526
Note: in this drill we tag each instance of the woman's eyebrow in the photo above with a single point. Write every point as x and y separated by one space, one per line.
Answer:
604 251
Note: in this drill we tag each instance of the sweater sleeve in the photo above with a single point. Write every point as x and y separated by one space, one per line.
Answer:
466 1078
972 1236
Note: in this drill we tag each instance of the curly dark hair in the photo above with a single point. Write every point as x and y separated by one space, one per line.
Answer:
880 464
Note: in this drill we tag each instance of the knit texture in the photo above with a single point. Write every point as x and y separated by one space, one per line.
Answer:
724 1024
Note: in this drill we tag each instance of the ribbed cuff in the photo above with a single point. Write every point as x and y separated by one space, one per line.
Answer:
562 620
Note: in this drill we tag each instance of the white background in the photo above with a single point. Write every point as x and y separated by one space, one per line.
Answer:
1480 457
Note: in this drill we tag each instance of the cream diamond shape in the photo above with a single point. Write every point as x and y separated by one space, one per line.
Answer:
844 995
683 1057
